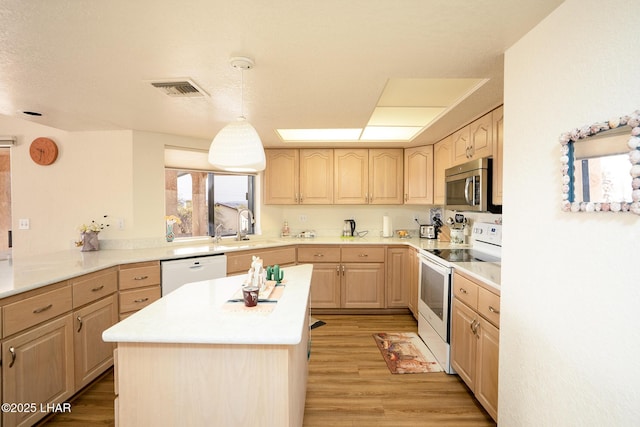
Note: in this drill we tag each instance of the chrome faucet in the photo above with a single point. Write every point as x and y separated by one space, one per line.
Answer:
218 233
242 234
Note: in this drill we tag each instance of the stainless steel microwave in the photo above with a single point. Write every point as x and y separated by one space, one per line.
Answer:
468 187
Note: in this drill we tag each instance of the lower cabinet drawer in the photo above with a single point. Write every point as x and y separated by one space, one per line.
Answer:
36 309
136 299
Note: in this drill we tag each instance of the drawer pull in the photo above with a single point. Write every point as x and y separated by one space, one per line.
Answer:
141 299
97 288
363 255
493 310
338 269
41 309
140 277
463 290
80 323
318 255
13 356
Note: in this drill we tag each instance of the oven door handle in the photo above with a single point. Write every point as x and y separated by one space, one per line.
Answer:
442 269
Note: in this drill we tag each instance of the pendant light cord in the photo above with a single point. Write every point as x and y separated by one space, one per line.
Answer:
242 92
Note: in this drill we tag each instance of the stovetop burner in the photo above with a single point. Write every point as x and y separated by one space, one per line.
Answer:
463 255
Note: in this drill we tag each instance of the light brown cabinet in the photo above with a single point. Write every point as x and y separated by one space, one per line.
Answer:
442 160
352 277
473 141
281 177
37 368
240 262
365 176
92 355
418 175
95 307
414 270
497 117
399 274
299 176
475 339
325 281
139 285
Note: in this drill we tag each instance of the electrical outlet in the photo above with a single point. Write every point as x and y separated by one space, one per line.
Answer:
120 223
302 218
23 224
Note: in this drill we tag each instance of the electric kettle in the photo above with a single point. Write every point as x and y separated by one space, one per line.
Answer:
349 229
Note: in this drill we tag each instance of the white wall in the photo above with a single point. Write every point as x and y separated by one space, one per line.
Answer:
570 341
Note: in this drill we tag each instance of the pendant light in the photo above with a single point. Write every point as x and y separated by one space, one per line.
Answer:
237 147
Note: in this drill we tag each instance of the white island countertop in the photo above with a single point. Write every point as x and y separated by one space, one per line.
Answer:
198 313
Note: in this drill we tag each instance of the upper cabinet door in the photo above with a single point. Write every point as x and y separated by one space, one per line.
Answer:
281 177
442 160
481 134
386 176
316 176
498 140
351 176
460 144
418 175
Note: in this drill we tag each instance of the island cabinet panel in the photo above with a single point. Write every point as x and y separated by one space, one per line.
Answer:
37 367
240 262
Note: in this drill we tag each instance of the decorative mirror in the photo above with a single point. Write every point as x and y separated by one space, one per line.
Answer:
601 166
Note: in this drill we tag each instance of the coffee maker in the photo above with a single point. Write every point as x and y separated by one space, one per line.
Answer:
349 229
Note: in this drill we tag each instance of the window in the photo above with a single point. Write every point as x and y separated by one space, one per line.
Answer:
205 200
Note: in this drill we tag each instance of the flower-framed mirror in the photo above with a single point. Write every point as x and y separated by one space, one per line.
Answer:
601 166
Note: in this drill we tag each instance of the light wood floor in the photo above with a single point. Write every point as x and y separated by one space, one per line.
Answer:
349 385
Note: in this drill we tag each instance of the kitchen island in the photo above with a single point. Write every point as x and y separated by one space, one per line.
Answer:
192 358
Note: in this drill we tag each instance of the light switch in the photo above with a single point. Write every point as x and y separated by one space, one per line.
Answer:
23 224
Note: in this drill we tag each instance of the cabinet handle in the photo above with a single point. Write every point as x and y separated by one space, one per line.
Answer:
472 326
13 356
140 277
343 270
318 255
338 270
363 255
98 288
300 197
141 299
493 310
41 309
463 291
79 323
406 197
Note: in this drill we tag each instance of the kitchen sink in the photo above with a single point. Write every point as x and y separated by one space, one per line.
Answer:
242 244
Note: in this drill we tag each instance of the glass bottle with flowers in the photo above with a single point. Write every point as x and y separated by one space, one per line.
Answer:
170 220
89 236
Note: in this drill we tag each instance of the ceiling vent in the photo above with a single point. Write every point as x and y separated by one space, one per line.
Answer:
182 88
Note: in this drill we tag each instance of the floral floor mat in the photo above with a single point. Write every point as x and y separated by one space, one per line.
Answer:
405 353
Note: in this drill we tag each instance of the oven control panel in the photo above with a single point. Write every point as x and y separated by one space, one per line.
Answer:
488 233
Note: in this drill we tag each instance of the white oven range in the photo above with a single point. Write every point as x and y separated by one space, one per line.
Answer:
435 292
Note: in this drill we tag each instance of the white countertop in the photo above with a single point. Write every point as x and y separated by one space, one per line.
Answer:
25 273
194 313
487 272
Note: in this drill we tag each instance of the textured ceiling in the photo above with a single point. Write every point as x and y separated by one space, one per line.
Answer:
86 65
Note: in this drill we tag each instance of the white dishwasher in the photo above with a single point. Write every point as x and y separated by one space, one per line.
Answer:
178 272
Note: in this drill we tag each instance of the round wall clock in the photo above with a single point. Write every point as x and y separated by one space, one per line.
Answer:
43 151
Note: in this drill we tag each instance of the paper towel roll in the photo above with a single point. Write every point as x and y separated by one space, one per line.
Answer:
387 229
